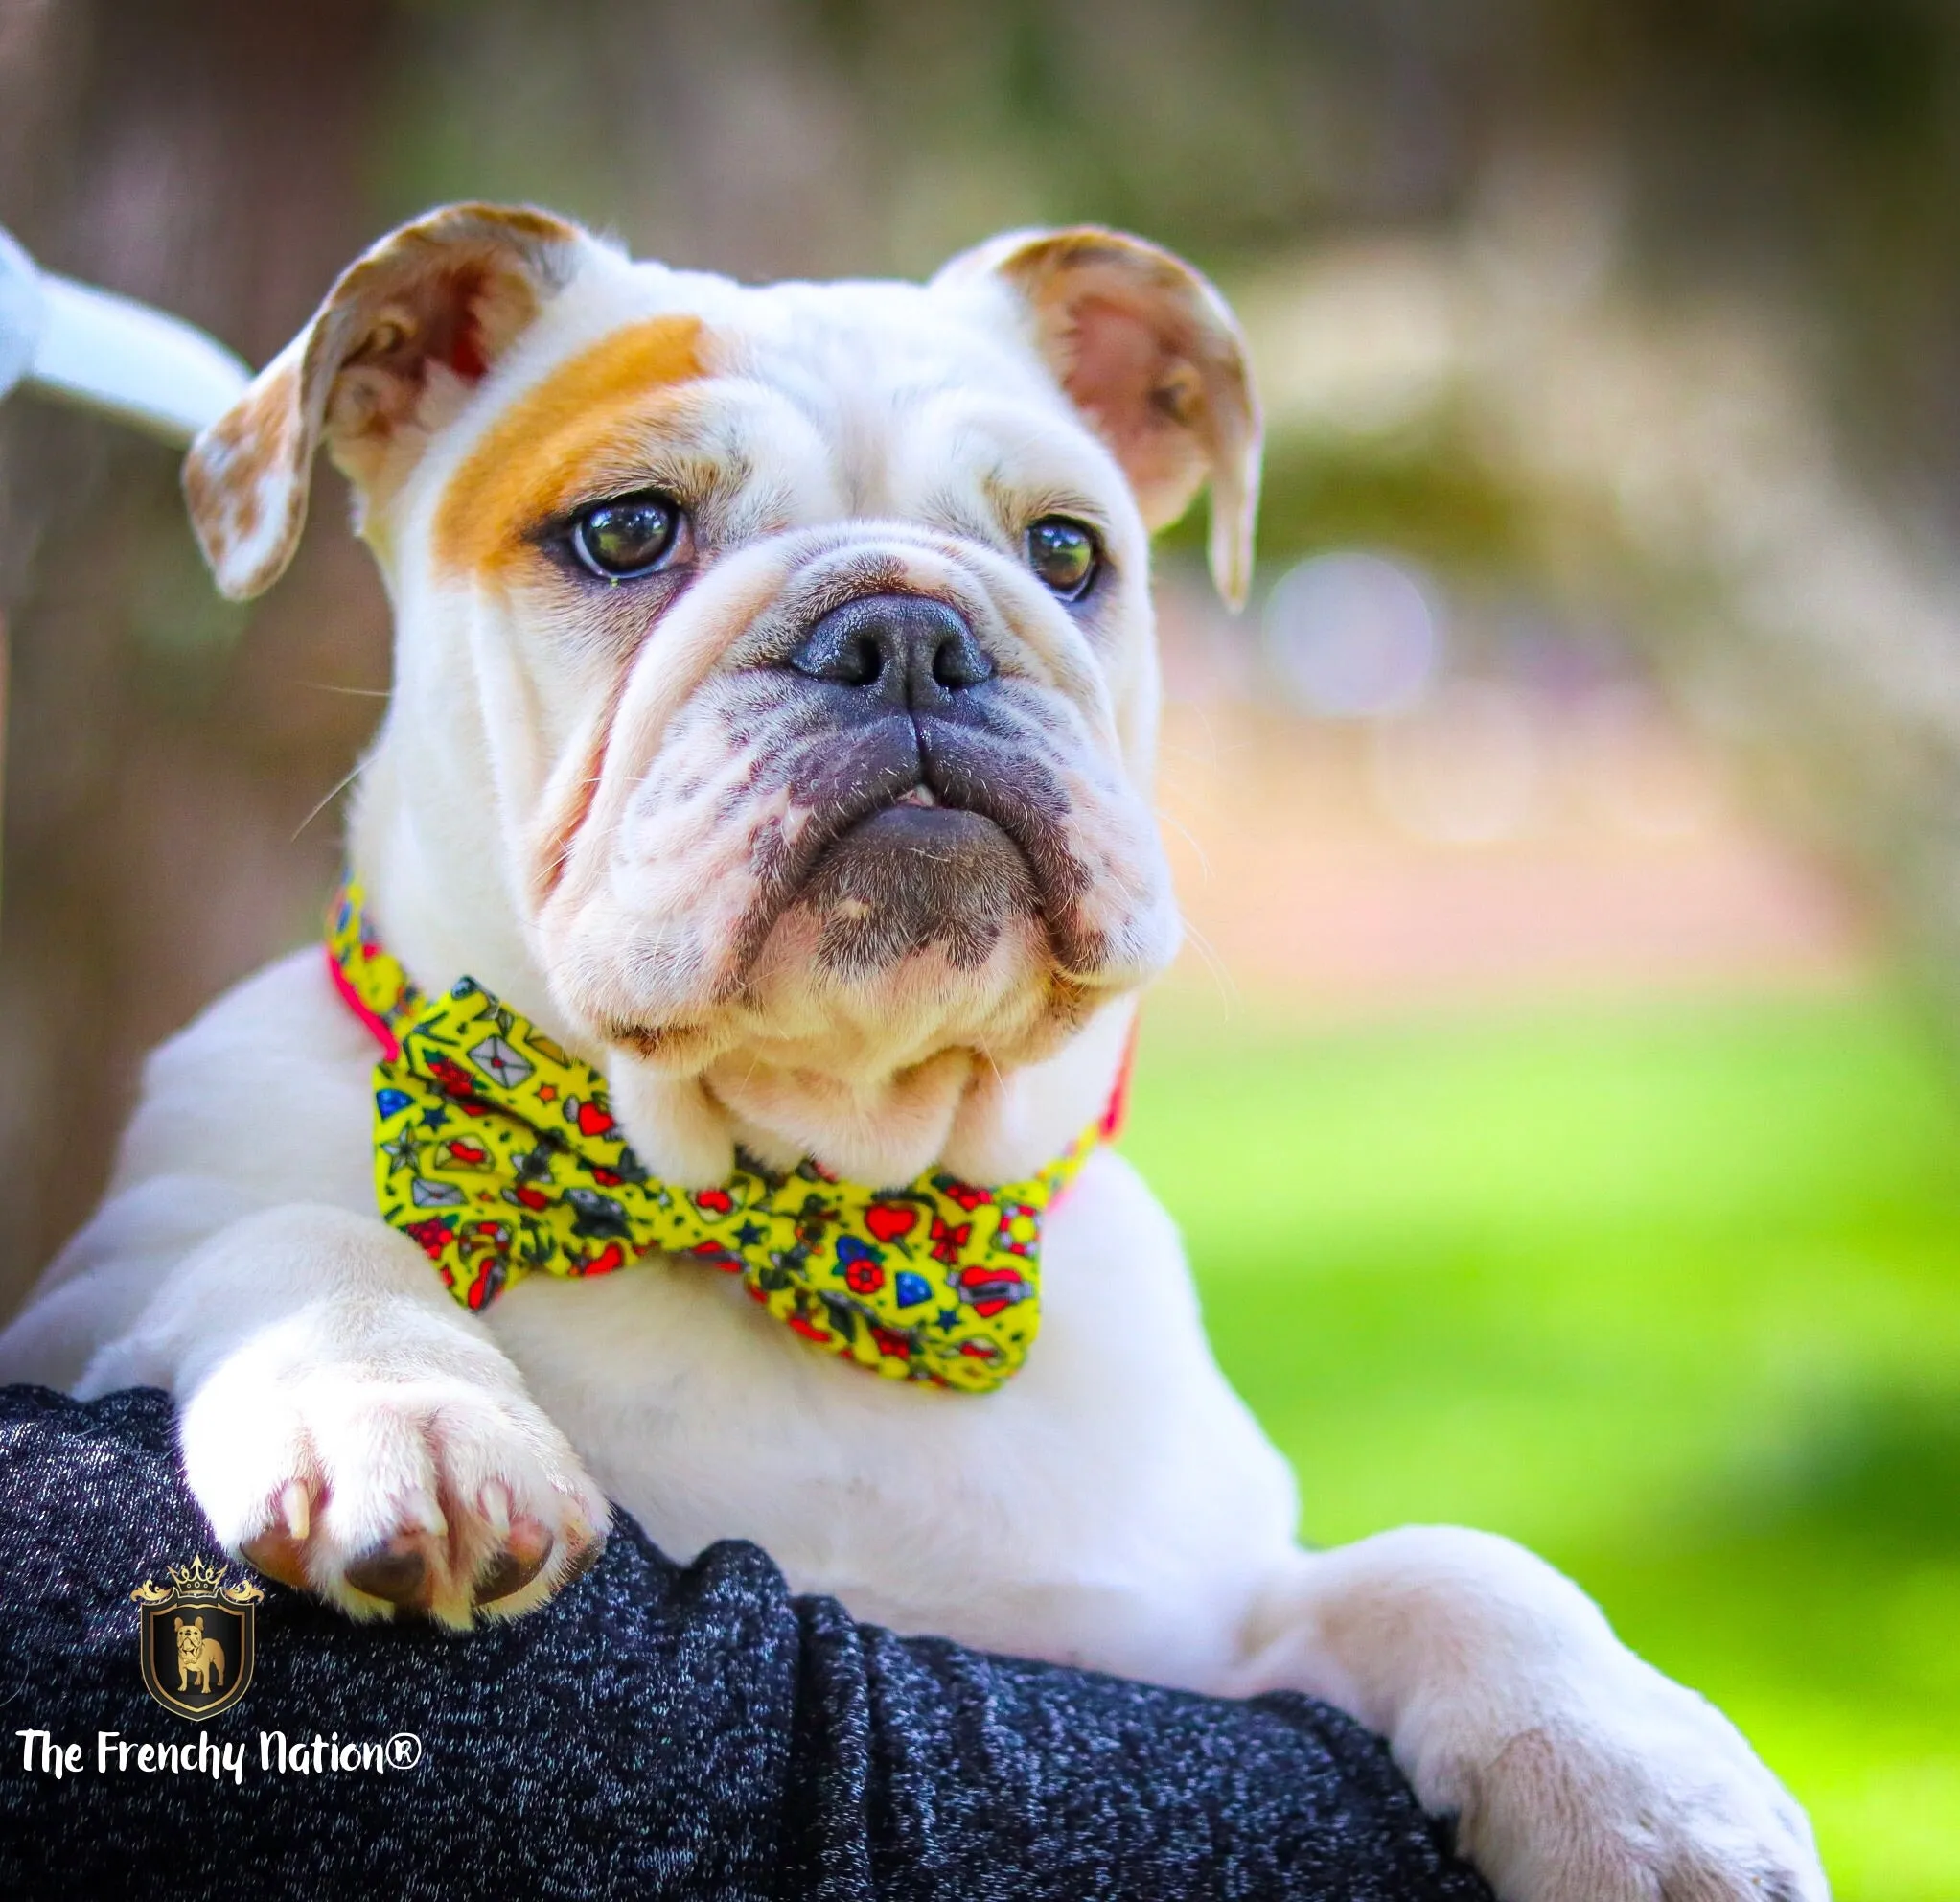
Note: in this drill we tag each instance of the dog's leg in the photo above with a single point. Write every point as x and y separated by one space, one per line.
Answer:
348 1428
1576 1771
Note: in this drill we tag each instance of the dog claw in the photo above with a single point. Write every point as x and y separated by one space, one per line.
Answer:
496 1503
430 1518
296 1508
402 1570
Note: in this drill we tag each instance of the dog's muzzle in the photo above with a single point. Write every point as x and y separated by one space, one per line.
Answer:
939 822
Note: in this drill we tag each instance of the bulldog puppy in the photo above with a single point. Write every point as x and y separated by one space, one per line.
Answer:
772 725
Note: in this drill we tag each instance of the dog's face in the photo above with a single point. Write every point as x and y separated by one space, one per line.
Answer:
793 643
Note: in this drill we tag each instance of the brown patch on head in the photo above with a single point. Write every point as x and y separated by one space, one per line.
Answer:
537 458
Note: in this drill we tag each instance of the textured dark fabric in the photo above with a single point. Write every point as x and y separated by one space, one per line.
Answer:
656 1732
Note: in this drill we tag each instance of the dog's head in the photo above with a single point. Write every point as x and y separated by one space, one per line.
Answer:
775 680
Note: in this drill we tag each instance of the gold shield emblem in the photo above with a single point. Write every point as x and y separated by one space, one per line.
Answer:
199 1638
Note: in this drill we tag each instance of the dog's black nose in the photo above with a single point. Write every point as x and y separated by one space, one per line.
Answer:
905 649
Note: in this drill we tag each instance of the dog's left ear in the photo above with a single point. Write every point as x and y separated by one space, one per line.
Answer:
399 342
1146 348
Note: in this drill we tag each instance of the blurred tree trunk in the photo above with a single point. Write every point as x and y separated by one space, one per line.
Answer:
205 155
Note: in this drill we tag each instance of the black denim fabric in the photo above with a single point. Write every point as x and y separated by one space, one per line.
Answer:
657 1731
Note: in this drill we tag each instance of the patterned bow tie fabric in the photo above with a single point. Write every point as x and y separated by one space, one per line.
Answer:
496 1152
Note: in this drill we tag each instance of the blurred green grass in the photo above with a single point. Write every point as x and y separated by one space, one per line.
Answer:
1672 1293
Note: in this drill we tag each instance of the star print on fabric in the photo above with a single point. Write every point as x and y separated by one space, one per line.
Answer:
750 1235
399 1151
434 1116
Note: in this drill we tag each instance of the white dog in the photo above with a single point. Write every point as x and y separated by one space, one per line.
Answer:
772 729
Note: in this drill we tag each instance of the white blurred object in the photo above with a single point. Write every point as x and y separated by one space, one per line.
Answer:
1354 636
110 353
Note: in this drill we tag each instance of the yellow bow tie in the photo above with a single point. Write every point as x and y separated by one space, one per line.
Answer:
496 1152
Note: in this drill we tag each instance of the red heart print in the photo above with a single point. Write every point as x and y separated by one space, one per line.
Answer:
715 1202
592 1119
889 1221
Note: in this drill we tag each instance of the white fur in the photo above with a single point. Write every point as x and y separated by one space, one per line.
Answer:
1114 1505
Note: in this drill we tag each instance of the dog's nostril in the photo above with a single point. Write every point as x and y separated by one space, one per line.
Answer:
859 663
907 649
961 660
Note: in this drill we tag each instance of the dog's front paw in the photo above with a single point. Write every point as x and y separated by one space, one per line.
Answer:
1641 1792
413 1488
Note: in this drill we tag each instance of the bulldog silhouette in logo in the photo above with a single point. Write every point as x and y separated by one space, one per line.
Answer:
206 1624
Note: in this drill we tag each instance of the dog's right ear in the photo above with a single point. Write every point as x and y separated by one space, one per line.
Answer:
400 340
1148 351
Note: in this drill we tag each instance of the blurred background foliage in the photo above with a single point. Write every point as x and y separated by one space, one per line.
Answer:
1559 1093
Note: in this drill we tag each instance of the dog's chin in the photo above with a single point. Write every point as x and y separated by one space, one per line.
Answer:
916 878
919 930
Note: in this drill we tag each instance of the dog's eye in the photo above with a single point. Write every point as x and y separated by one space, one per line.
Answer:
1064 554
627 537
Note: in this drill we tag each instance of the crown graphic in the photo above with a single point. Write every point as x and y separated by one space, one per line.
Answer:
197 1580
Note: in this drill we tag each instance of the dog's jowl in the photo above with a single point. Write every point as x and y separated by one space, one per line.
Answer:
702 1096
